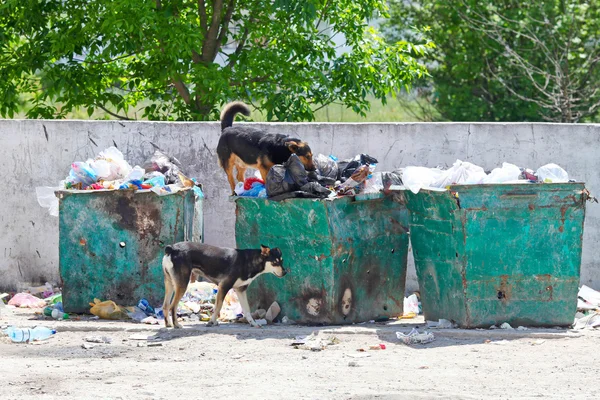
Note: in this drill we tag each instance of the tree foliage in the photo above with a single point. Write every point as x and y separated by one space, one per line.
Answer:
182 59
510 60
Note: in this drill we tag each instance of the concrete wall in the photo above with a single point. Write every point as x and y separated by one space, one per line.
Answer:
38 153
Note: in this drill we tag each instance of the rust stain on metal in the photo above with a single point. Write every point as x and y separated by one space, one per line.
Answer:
505 289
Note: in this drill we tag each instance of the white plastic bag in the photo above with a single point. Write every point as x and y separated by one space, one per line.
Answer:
461 173
411 304
508 172
119 168
136 174
552 173
47 199
417 178
374 184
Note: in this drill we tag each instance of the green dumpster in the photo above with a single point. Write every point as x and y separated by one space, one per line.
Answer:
346 257
489 254
111 243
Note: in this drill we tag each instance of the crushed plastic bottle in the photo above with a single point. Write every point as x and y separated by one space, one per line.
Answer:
57 314
38 333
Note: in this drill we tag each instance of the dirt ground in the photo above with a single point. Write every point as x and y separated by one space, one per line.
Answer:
237 361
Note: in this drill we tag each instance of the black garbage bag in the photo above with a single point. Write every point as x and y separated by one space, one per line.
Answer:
291 180
348 167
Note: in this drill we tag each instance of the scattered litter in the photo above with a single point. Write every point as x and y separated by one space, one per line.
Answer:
150 321
538 342
108 310
411 304
261 322
588 298
424 367
414 337
358 355
98 339
26 300
286 321
592 320
237 356
380 346
522 328
353 364
28 335
441 324
88 346
409 315
139 336
500 342
314 342
493 327
507 326
155 344
272 312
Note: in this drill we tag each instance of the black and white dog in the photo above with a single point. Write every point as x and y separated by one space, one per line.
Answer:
227 268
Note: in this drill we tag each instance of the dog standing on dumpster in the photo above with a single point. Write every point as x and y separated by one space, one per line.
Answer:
228 268
241 147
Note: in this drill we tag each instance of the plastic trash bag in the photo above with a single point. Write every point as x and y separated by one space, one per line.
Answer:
47 199
348 167
26 300
119 167
136 174
326 166
291 180
417 178
82 173
552 173
374 184
167 165
461 173
108 310
508 173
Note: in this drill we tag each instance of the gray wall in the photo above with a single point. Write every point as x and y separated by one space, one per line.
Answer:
38 153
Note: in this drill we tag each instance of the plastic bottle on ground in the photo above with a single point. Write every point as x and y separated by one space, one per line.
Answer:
19 335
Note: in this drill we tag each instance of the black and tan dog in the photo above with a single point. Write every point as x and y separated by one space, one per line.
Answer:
227 268
243 146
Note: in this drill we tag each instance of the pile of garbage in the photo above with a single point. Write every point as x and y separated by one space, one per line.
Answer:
109 170
331 179
588 309
46 297
466 173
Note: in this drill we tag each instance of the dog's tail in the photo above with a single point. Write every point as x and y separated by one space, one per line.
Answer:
229 112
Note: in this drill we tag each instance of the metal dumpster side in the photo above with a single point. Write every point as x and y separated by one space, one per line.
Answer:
111 244
488 254
346 258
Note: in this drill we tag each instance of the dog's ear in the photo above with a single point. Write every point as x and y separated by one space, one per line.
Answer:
264 250
292 146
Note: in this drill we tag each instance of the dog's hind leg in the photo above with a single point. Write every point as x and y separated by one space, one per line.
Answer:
179 292
228 167
241 293
241 172
168 297
224 287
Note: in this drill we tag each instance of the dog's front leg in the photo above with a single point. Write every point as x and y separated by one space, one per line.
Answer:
221 293
241 293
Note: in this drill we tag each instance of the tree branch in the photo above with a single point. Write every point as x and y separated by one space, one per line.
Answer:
225 25
202 16
182 90
113 114
239 48
210 39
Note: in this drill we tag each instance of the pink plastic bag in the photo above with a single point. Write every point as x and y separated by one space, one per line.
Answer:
25 300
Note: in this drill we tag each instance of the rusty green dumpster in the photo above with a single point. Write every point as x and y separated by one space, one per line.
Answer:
111 243
346 257
489 254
